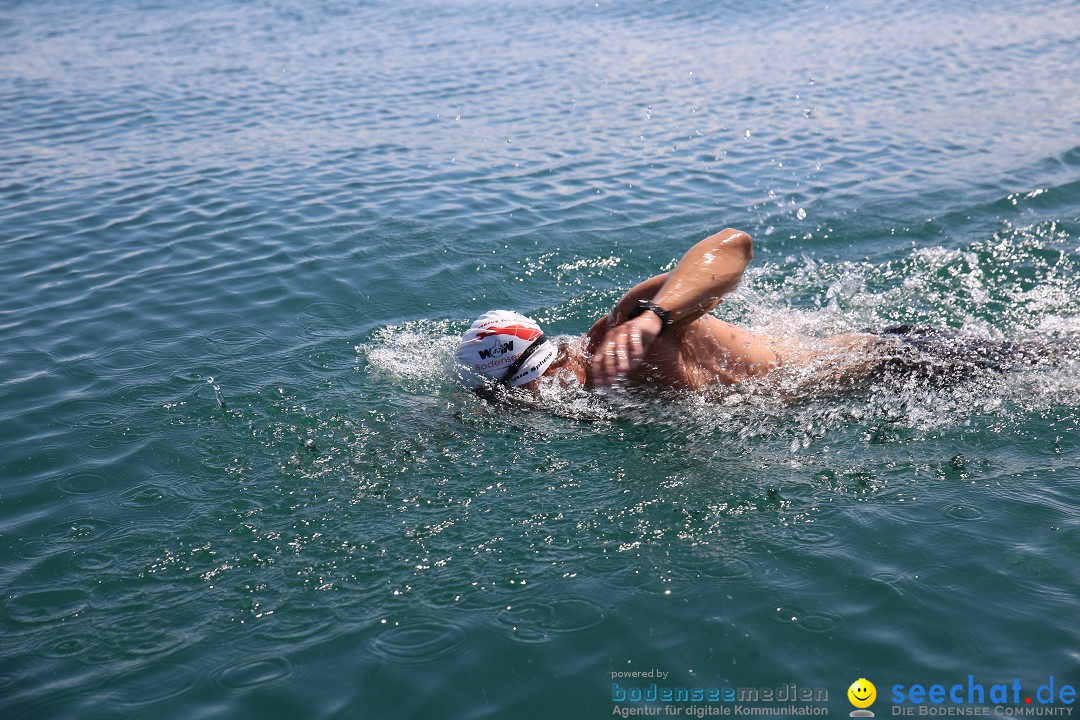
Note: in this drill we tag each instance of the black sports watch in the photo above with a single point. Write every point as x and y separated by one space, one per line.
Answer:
643 305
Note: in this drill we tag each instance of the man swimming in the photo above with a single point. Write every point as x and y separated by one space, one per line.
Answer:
660 334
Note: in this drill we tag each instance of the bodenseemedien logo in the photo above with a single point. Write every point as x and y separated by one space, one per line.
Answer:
862 694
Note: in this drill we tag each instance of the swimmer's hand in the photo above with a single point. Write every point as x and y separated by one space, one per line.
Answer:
622 349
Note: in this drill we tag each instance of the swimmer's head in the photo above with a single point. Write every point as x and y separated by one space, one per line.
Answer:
502 348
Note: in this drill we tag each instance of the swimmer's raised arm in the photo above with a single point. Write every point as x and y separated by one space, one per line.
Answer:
706 273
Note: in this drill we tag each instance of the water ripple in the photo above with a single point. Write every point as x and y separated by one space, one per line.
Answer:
44 606
540 621
258 672
152 683
420 642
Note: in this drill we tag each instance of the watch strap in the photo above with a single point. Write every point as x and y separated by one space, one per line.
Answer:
650 306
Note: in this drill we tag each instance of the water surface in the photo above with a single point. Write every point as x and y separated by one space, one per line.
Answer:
239 240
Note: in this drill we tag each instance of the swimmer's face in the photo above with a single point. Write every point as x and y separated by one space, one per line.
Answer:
560 359
568 365
862 693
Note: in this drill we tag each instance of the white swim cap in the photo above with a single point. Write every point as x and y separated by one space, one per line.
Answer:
505 347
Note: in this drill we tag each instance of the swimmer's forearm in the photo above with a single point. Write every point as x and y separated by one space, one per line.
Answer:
706 273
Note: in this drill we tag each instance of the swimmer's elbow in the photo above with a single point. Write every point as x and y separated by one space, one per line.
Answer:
735 243
742 242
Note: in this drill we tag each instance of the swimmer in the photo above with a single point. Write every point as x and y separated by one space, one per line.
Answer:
661 334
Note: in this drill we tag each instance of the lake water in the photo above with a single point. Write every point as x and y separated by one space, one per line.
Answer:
238 240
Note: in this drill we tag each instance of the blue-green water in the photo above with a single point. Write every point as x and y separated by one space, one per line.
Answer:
237 240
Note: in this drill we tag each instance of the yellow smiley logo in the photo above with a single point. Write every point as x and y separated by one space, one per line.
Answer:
862 693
